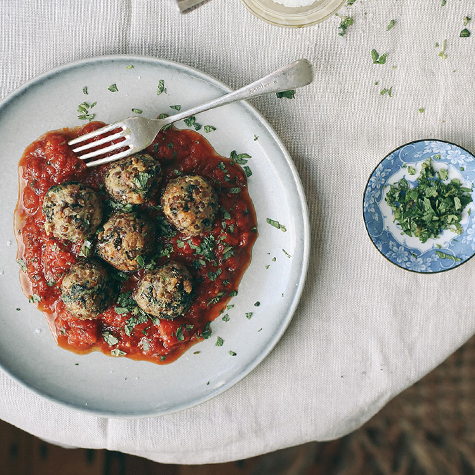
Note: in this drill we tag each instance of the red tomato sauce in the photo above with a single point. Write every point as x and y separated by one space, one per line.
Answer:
217 260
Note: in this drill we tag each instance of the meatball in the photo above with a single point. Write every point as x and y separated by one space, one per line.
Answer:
72 211
124 238
190 204
165 292
86 289
133 179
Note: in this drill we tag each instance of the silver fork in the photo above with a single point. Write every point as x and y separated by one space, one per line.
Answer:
138 132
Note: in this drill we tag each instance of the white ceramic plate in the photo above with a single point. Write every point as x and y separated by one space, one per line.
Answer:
120 387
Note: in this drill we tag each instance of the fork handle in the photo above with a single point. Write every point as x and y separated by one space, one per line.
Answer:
297 74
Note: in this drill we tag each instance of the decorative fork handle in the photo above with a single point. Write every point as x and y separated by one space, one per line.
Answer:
297 74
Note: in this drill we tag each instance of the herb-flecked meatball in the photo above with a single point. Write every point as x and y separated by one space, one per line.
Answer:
165 292
86 289
124 240
133 179
72 211
190 204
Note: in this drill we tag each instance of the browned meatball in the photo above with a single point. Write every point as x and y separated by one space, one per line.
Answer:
133 179
125 238
86 289
72 211
190 204
165 292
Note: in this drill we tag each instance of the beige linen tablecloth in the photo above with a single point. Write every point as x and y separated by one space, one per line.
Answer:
364 329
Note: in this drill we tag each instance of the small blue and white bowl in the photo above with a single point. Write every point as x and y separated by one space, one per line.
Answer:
449 250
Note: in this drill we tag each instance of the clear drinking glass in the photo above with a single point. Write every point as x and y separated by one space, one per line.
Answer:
297 17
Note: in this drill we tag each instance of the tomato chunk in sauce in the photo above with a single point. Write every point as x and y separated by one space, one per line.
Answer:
216 259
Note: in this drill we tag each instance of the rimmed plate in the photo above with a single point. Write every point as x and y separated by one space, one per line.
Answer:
449 250
120 387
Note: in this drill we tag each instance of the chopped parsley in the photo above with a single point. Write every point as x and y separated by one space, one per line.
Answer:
22 264
290 94
219 341
239 158
431 206
442 53
209 128
177 107
232 353
137 111
464 33
110 339
117 352
34 298
276 224
443 255
161 87
346 22
391 24
377 59
249 315
113 88
84 112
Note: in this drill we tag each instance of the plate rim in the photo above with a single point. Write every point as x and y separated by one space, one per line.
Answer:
306 241
456 265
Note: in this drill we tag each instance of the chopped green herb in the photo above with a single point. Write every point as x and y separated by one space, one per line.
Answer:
443 3
235 190
214 275
34 298
276 224
209 128
391 24
226 318
110 339
190 121
443 255
345 23
247 171
179 334
466 20
219 341
86 249
239 158
161 87
286 253
22 264
257 304
207 331
256 138
84 90
421 110
442 53
287 94
130 66
411 170
137 111
377 59
140 261
176 107
113 88
431 206
117 352
232 353
464 33
249 315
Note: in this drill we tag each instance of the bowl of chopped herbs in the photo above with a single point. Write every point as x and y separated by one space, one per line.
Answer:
418 206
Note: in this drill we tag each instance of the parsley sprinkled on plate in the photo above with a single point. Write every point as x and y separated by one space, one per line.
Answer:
276 224
444 255
391 25
161 87
113 88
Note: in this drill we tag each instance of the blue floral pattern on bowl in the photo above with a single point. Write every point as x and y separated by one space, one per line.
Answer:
443 253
